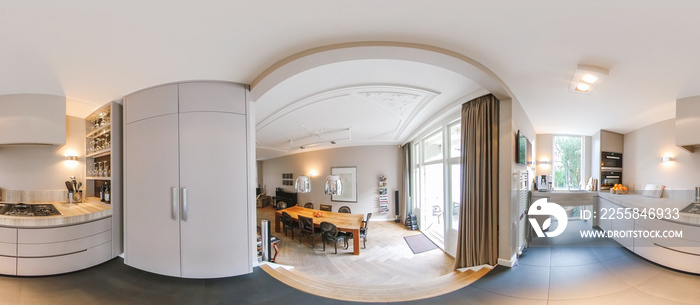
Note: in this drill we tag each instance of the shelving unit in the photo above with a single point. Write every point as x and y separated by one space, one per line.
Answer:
383 196
103 146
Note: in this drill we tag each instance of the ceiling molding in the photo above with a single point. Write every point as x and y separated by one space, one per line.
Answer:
396 99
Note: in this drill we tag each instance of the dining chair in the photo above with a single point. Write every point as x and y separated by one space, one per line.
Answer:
307 228
363 233
288 223
309 205
344 209
326 207
329 234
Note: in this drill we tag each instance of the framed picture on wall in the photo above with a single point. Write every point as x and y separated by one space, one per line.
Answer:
348 177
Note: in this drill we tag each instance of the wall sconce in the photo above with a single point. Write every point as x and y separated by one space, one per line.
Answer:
544 162
302 184
667 159
72 158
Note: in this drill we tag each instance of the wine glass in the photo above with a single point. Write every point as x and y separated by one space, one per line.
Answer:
107 173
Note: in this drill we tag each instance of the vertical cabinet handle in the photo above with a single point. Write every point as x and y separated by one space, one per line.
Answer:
175 199
184 204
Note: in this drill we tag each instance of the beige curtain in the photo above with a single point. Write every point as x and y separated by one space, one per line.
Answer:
406 206
477 241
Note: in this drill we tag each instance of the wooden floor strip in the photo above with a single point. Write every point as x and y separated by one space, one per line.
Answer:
375 293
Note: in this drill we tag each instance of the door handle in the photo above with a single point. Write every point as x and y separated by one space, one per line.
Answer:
184 204
175 199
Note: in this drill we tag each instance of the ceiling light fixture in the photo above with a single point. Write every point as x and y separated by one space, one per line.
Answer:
583 87
318 138
302 184
584 77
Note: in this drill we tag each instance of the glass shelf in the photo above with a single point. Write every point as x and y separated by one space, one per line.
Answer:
100 153
99 178
99 131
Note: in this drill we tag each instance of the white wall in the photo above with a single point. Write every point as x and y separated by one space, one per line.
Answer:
371 162
644 149
544 151
512 119
44 167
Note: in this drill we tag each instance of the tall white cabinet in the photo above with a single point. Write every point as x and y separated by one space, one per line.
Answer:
186 180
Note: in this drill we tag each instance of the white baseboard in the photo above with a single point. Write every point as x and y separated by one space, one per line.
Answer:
508 263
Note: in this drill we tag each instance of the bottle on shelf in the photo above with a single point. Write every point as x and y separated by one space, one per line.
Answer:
102 192
107 193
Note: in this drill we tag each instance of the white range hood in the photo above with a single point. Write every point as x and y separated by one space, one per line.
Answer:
688 123
32 119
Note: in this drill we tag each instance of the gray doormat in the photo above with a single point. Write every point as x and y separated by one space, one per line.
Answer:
419 243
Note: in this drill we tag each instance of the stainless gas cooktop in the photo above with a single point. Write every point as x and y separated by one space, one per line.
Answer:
693 208
23 209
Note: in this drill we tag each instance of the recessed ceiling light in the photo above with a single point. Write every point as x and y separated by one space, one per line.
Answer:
589 78
584 77
583 87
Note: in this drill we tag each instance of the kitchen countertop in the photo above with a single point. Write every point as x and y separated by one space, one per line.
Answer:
72 214
642 202
567 198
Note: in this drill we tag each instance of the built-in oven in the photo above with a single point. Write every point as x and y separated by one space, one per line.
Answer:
610 161
608 179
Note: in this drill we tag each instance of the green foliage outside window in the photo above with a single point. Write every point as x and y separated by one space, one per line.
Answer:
567 162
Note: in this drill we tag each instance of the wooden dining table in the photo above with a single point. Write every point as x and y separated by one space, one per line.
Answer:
345 222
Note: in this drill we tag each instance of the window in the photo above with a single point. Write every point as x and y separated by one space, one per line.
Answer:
437 180
567 162
433 148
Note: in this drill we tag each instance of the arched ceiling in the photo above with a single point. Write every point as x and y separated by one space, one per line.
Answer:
381 101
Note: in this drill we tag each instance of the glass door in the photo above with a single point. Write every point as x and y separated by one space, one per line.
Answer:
433 200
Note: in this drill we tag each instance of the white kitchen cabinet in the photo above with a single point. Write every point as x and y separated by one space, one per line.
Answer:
220 97
35 266
8 251
151 208
186 181
216 225
45 251
604 208
677 253
151 102
611 141
623 224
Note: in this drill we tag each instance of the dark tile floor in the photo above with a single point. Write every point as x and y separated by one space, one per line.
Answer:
563 270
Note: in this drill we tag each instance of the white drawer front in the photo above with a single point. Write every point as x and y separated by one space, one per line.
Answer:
690 232
66 263
64 247
8 249
53 235
8 235
8 265
667 256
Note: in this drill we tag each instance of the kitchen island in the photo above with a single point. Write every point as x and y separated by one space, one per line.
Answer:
634 228
42 245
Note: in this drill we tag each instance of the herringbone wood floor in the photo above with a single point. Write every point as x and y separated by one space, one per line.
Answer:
387 259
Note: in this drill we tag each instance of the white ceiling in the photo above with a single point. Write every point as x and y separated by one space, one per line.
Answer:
96 51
